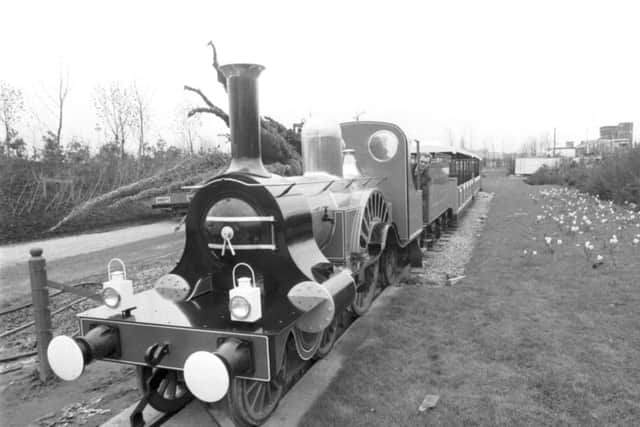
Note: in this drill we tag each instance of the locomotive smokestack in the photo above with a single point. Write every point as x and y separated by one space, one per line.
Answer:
244 118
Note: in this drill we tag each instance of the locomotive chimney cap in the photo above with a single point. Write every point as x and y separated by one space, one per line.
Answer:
236 69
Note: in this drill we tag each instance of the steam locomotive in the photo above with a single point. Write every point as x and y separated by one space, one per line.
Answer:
271 263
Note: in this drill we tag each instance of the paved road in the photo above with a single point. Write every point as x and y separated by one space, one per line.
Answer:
76 257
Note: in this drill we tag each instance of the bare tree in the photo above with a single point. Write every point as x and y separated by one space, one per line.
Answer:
187 128
54 102
142 114
115 108
60 98
11 109
275 146
529 147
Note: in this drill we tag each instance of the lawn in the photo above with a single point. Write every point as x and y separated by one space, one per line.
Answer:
543 339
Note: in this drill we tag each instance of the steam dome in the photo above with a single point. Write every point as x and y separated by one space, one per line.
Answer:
322 147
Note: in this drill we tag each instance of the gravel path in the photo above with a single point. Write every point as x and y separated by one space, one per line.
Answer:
445 264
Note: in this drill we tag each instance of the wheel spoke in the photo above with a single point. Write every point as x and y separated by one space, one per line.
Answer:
252 402
253 399
267 390
163 386
252 391
180 390
171 389
261 394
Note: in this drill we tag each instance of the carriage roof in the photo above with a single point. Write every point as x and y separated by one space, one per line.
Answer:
444 149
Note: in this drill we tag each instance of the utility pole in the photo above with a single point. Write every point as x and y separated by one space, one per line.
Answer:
554 142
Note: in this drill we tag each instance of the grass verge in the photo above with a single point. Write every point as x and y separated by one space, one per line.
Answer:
519 341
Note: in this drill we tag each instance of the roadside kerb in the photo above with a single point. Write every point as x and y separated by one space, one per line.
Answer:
316 380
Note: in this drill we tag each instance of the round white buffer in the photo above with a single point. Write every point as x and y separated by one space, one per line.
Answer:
206 376
65 357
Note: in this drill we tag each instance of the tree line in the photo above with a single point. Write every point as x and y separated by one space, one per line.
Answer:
67 187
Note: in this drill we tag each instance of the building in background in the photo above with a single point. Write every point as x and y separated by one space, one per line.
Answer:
568 151
612 138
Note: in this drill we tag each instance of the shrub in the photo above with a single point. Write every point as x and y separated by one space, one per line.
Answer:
616 177
36 194
545 176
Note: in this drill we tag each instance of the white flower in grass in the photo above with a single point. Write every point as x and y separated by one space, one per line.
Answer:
599 258
559 242
636 241
534 253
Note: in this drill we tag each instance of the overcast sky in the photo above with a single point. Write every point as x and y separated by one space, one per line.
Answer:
495 72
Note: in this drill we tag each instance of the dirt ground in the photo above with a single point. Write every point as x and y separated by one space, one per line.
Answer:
102 391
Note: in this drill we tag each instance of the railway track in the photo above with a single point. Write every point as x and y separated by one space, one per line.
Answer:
59 301
16 322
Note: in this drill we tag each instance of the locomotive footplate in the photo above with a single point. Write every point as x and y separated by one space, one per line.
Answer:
201 324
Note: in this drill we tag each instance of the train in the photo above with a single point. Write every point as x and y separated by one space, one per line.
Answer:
271 264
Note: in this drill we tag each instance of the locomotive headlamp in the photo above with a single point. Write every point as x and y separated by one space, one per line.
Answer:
239 307
111 298
117 291
245 304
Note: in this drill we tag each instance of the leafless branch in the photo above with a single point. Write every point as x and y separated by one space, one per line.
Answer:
212 108
221 79
216 111
202 95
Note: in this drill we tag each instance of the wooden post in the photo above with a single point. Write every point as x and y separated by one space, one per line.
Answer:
41 313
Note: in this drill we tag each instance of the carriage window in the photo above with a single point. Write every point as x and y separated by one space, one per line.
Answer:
383 145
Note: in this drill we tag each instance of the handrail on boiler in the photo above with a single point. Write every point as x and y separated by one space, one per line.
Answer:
289 185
